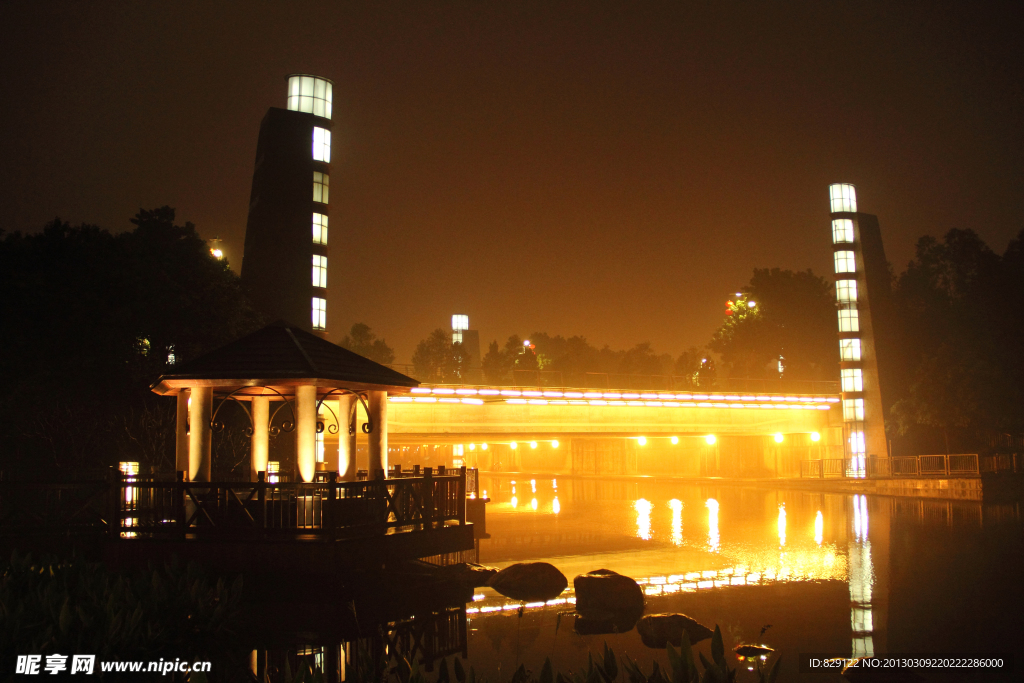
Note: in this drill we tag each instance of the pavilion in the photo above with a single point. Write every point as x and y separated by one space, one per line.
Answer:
292 370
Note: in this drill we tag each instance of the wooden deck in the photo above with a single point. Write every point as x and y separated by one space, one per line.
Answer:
323 526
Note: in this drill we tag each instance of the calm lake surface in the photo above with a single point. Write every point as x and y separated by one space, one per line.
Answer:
829 572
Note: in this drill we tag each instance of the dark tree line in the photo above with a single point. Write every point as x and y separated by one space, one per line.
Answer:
90 319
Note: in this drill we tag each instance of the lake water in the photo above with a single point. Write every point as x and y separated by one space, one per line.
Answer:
828 572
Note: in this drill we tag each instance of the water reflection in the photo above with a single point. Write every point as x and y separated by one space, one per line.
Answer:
677 521
713 538
643 519
819 528
781 524
862 578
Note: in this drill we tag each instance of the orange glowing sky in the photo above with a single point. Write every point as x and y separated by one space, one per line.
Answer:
607 169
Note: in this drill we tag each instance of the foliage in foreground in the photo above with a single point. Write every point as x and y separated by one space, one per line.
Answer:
682 669
69 606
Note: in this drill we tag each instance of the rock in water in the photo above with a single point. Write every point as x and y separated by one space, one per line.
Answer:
529 581
468 573
657 630
604 595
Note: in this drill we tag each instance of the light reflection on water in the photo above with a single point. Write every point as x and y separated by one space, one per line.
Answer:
713 536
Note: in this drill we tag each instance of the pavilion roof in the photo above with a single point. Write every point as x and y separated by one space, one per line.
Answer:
282 355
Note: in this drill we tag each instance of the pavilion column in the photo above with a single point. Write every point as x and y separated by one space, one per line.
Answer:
379 436
199 436
347 437
181 433
305 431
260 436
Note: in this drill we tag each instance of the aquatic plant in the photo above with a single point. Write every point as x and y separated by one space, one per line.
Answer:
61 606
682 669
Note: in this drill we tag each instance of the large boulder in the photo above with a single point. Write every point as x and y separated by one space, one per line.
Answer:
657 630
529 581
604 595
468 573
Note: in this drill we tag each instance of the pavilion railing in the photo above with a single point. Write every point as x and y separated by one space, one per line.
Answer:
135 507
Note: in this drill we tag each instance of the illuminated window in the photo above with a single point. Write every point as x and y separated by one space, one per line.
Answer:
321 186
842 231
322 145
849 349
319 270
319 313
846 291
460 322
853 409
845 262
849 320
311 95
319 228
843 196
852 379
857 443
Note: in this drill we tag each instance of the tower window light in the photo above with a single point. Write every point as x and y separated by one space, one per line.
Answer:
319 228
846 291
311 95
319 313
853 410
321 187
849 349
842 231
319 271
843 197
322 145
852 379
845 262
849 320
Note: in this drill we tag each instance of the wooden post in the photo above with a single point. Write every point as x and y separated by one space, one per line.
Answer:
261 497
114 503
327 516
427 498
461 493
179 501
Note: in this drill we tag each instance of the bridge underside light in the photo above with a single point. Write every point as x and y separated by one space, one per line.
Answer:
642 440
778 437
483 447
554 444
533 444
513 445
675 440
710 439
815 436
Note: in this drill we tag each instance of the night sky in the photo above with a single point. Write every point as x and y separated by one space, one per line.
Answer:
607 169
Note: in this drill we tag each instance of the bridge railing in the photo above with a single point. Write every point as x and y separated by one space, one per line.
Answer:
961 464
630 381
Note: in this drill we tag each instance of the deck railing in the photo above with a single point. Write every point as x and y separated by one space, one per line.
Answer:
135 507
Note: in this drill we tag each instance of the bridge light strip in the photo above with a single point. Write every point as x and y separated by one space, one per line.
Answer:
539 396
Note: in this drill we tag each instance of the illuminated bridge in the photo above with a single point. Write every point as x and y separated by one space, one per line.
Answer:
586 431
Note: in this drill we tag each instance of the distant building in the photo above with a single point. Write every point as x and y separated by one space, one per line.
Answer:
284 268
862 277
470 340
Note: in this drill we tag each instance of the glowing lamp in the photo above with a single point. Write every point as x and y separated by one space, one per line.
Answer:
710 439
815 436
642 440
554 444
751 304
675 440
778 437
533 444
217 253
513 445
483 447
526 342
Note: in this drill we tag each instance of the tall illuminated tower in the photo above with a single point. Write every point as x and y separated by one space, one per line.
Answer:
284 269
861 275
